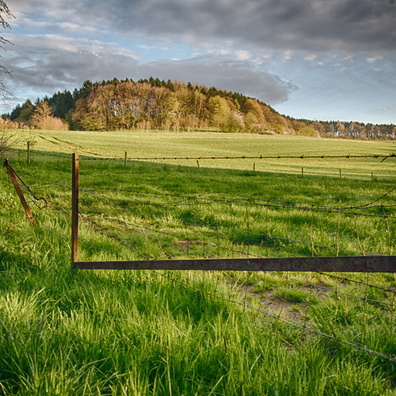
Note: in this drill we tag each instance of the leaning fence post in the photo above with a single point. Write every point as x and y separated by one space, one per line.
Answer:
18 189
75 183
125 159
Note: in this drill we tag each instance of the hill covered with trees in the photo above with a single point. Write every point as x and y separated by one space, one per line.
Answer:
157 104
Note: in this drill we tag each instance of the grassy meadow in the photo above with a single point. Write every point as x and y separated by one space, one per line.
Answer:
184 145
82 332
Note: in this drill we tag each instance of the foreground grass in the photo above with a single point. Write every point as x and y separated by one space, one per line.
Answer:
186 333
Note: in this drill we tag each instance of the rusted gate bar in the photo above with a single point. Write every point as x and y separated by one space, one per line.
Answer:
18 189
312 264
75 183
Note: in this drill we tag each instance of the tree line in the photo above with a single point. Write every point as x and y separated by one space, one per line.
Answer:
171 105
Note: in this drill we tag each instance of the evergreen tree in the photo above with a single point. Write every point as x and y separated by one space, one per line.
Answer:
22 113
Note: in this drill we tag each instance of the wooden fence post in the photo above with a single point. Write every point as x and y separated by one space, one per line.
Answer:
28 153
75 184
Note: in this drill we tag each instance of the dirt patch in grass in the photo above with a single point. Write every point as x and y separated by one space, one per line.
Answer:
271 303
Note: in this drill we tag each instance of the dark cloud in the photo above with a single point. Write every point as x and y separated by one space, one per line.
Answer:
321 25
95 40
237 76
59 69
64 70
313 25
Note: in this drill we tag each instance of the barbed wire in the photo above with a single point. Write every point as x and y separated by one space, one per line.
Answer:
301 156
233 250
99 157
112 203
288 321
264 202
359 282
245 303
329 289
298 324
217 228
226 229
117 238
247 201
362 206
242 198
19 151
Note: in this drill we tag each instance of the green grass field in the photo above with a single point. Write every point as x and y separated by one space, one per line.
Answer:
198 144
196 333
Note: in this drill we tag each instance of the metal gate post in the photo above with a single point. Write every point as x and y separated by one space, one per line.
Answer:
75 184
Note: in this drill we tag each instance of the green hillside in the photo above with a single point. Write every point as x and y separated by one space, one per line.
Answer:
171 105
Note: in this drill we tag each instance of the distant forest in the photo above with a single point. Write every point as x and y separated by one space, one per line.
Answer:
171 105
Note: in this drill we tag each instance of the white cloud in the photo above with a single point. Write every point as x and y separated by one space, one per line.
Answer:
385 109
243 54
310 57
288 55
374 58
76 28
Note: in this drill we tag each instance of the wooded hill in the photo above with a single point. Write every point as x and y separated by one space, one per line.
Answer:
157 104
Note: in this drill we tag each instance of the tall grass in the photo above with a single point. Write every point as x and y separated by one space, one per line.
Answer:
187 333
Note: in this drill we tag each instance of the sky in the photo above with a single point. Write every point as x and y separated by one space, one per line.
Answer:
314 59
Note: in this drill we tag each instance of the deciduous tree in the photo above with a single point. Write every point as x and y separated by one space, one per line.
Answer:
43 119
219 111
171 110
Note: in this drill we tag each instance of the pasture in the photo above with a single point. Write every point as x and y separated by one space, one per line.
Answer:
197 333
193 145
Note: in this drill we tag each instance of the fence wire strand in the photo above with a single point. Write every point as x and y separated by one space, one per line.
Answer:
242 302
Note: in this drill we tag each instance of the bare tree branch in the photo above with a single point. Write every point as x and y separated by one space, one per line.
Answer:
5 15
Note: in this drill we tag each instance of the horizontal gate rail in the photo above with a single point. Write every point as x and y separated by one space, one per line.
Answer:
309 264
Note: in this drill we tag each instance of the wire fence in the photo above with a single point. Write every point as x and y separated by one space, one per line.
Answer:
151 225
236 223
345 166
125 223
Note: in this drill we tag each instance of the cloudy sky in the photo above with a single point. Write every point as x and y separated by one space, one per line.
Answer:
315 59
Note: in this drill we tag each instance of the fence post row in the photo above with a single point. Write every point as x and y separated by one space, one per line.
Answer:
310 264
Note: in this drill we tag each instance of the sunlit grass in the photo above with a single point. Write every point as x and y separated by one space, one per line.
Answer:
64 332
158 145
